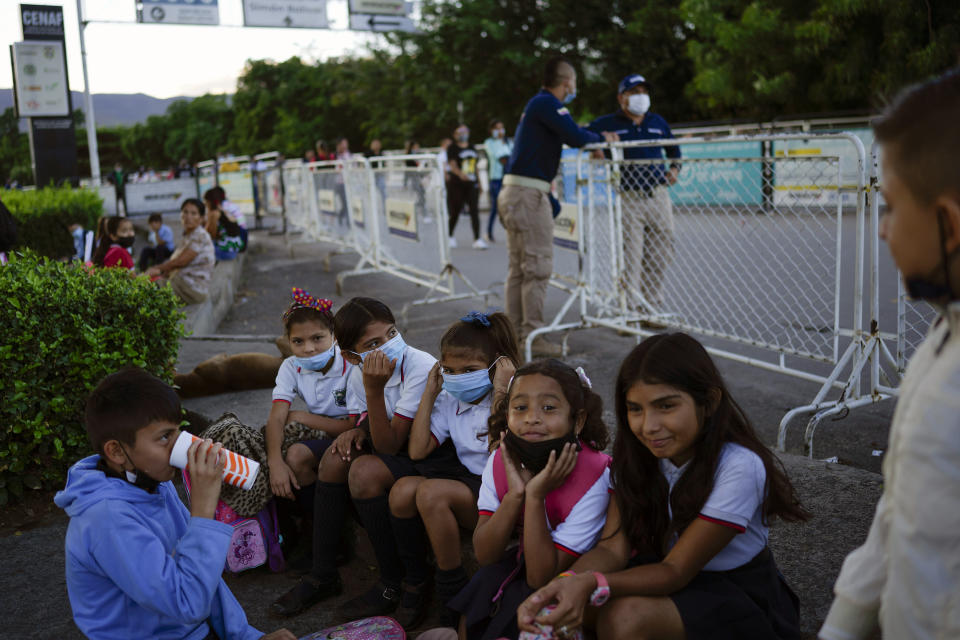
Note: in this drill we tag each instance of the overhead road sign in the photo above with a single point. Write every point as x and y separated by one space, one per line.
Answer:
178 12
373 22
40 78
293 14
380 7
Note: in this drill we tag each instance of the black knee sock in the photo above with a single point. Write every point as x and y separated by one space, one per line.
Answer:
304 497
375 516
450 582
329 511
412 547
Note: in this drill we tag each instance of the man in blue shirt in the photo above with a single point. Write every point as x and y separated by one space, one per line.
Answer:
647 210
524 205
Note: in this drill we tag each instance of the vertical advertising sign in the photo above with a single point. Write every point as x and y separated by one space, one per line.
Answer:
41 89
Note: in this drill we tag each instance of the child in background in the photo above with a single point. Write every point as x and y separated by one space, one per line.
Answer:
161 246
383 393
114 248
478 356
317 373
138 563
684 550
547 478
79 240
222 227
906 577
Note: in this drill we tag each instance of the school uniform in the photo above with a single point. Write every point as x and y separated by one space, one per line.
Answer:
464 425
739 593
324 393
575 512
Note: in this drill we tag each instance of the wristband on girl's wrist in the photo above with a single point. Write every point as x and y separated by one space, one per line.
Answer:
601 594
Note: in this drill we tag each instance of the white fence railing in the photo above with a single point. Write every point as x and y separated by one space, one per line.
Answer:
783 284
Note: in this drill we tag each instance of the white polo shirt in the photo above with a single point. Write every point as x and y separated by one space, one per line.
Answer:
325 394
579 532
463 423
736 501
402 392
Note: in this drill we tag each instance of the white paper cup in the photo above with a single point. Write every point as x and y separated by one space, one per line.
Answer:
239 471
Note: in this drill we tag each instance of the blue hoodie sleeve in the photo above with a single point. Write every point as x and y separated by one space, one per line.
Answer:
561 122
182 585
228 618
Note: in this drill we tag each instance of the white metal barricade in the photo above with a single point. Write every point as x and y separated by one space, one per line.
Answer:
763 256
235 177
404 201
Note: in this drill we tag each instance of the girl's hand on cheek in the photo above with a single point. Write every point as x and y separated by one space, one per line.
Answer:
434 381
516 478
377 369
555 473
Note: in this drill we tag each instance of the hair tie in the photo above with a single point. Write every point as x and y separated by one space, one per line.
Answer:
303 300
584 380
476 317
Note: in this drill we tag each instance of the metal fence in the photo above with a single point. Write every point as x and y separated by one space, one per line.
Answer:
779 282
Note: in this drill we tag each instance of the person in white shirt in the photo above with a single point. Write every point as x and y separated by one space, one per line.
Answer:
317 374
382 396
547 481
478 356
906 576
684 550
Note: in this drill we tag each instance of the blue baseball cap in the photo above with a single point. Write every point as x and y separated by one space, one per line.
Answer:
631 81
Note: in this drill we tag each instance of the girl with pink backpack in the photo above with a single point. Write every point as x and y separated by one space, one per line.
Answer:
547 482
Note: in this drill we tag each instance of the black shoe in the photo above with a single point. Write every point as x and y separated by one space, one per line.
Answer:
378 601
299 564
304 595
414 600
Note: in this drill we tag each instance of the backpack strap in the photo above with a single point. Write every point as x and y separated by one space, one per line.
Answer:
561 501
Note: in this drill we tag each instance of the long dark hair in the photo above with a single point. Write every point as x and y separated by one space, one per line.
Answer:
110 226
581 398
679 361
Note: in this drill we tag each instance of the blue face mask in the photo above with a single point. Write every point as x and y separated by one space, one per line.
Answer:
469 387
392 348
570 97
317 361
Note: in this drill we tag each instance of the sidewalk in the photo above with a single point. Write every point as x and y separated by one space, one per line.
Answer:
842 498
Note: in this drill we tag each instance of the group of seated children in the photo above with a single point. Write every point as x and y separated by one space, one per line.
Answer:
408 440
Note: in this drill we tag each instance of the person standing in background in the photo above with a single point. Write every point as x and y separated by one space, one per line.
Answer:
498 148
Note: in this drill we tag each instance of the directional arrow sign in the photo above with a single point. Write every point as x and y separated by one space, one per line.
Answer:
373 22
303 14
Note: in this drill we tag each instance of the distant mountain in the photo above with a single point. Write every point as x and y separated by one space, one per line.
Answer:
112 109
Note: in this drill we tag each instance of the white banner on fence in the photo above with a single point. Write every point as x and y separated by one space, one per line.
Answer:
565 232
327 202
402 218
238 186
159 197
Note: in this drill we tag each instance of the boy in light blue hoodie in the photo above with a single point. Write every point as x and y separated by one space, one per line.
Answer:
138 563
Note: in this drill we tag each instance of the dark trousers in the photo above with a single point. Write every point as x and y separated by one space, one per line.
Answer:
458 194
153 255
494 192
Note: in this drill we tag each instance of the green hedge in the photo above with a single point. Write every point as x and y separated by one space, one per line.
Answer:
43 216
64 327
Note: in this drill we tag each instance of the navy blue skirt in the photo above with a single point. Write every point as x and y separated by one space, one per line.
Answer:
752 601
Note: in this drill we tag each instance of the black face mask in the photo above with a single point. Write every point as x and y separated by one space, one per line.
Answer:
534 455
934 288
125 241
138 478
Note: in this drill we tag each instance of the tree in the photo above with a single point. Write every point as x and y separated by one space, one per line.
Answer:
14 150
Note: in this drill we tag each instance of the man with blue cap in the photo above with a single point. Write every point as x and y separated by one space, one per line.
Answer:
647 210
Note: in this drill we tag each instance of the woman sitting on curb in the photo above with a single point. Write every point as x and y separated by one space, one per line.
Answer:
189 269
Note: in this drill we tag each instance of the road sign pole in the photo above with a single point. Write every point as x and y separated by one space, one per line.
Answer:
91 121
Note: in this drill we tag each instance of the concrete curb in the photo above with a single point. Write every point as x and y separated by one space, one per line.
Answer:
204 318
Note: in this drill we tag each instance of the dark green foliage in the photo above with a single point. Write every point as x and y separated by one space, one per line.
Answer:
43 217
65 327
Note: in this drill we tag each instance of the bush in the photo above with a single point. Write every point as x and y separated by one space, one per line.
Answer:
43 216
64 327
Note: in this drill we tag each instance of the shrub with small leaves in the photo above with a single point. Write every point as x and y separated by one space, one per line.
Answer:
64 327
44 215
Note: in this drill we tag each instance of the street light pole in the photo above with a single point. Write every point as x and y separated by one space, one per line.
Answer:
90 119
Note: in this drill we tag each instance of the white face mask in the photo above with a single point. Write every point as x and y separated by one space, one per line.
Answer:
638 104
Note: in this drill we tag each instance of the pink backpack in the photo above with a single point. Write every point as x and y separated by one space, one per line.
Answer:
255 541
377 628
561 501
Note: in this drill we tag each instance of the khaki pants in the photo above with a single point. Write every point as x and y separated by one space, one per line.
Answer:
184 291
528 218
647 244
